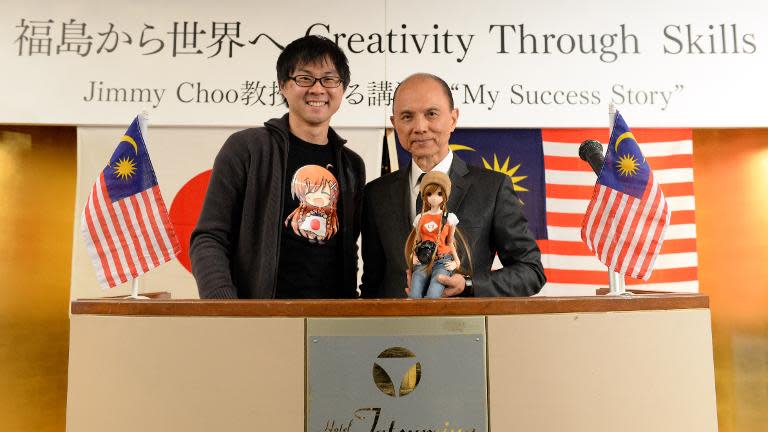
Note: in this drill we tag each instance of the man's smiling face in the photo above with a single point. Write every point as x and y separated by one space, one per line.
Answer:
312 106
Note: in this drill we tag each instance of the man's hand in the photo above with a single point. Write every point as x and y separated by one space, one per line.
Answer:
453 265
454 285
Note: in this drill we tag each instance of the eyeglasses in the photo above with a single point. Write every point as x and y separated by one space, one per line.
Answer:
309 81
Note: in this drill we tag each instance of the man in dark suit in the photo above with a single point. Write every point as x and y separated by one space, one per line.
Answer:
490 214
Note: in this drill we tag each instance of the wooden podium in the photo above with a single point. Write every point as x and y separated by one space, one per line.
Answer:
639 363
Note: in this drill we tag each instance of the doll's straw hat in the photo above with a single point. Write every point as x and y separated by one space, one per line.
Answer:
436 177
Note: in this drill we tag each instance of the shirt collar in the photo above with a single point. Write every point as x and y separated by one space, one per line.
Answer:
443 166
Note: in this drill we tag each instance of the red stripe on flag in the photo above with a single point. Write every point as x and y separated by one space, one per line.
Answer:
565 219
569 191
566 191
681 274
98 203
653 244
134 238
683 217
153 223
593 277
576 136
605 220
623 253
573 248
562 247
609 226
598 210
573 163
144 232
574 220
646 221
677 189
617 225
566 163
120 236
647 135
105 268
576 276
625 228
167 225
678 246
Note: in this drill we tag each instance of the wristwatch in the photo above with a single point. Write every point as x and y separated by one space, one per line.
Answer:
468 287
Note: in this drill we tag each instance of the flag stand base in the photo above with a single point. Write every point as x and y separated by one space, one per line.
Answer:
616 284
135 291
136 297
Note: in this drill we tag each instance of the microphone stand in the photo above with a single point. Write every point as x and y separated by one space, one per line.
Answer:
615 279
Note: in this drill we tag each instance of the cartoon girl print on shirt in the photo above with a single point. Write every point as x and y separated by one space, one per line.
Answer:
318 192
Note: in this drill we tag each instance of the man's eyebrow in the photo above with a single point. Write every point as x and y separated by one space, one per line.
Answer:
429 108
325 72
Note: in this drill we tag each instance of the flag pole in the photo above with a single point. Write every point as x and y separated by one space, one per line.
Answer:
135 291
144 114
615 279
135 282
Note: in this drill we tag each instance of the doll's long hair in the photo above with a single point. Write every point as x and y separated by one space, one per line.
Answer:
410 242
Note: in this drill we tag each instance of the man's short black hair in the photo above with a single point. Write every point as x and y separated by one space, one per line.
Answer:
311 49
443 84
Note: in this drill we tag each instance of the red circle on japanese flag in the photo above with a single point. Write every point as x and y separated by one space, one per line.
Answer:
185 210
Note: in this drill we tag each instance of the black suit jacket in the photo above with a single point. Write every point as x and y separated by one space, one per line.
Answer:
490 219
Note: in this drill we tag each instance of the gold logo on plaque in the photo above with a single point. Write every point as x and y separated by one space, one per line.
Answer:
392 362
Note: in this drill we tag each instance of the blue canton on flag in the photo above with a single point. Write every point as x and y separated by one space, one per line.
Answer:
625 169
129 171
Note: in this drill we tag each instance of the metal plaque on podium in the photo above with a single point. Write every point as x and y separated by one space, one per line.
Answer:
411 373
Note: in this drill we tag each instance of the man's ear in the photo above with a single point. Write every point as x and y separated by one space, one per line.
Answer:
392 120
454 118
282 94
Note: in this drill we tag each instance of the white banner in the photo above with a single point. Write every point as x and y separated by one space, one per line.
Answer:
551 63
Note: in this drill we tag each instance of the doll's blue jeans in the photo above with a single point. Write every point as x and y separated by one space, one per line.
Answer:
421 279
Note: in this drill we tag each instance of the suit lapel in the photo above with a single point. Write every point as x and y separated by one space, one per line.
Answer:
459 184
400 197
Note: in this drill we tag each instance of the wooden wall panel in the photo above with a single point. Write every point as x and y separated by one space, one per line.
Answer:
731 188
37 187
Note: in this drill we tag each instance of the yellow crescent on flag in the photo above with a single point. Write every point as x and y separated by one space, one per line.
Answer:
622 137
457 147
130 141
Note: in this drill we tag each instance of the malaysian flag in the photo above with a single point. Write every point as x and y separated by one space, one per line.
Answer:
628 216
556 195
125 223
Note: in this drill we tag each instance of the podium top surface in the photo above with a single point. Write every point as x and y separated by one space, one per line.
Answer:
388 307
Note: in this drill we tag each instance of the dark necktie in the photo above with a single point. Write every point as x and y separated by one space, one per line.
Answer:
419 203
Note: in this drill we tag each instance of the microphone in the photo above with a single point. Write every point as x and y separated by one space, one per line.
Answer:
591 151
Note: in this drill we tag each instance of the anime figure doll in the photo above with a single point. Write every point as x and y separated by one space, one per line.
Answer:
317 191
430 249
